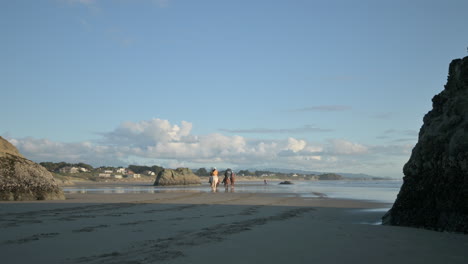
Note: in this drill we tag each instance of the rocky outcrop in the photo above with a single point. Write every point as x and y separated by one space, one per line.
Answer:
434 194
7 148
180 176
285 182
22 179
330 177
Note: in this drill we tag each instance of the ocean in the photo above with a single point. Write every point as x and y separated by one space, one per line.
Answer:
384 191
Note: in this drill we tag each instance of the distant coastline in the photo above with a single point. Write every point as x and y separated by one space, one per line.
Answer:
69 173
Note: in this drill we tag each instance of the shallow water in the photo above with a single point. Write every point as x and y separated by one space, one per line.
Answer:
381 191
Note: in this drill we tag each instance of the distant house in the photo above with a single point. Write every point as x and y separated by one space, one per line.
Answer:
104 175
294 175
108 171
117 176
69 169
83 169
120 170
149 173
133 176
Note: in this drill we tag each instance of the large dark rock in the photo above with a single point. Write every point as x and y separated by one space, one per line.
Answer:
434 194
22 179
180 176
286 182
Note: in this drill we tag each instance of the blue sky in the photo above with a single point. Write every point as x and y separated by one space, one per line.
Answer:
316 85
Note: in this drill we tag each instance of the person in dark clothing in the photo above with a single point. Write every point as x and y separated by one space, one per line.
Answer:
228 178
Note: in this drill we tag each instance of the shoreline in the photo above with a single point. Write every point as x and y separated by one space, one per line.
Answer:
383 193
206 197
205 178
198 227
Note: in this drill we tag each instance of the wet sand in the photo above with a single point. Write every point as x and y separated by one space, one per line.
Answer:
203 227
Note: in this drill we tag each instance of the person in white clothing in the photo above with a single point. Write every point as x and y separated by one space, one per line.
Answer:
214 178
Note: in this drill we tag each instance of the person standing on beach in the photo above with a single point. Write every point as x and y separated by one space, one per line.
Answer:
228 178
233 179
214 178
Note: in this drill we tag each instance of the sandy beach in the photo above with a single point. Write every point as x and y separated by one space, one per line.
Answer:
222 227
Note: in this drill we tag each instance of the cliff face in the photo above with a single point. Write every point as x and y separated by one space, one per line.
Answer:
22 179
434 194
180 176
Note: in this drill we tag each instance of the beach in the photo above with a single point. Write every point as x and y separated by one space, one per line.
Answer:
222 227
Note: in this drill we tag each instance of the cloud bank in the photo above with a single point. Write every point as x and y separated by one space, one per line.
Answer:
159 142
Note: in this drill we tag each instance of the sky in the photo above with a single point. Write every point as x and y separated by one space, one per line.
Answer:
328 86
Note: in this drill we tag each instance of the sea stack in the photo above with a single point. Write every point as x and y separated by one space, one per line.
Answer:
180 176
434 194
22 179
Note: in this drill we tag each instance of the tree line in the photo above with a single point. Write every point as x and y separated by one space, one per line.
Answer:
56 166
260 173
139 169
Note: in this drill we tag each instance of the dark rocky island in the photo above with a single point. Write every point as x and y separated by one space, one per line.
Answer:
22 179
180 176
286 182
434 194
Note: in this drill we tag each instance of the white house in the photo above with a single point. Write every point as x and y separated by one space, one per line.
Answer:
120 170
104 175
149 173
133 175
117 176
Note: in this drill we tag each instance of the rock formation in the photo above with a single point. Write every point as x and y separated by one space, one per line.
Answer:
22 179
285 182
180 176
434 194
330 177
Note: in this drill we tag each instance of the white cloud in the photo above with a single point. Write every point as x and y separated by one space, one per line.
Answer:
343 147
160 142
148 133
296 145
47 150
